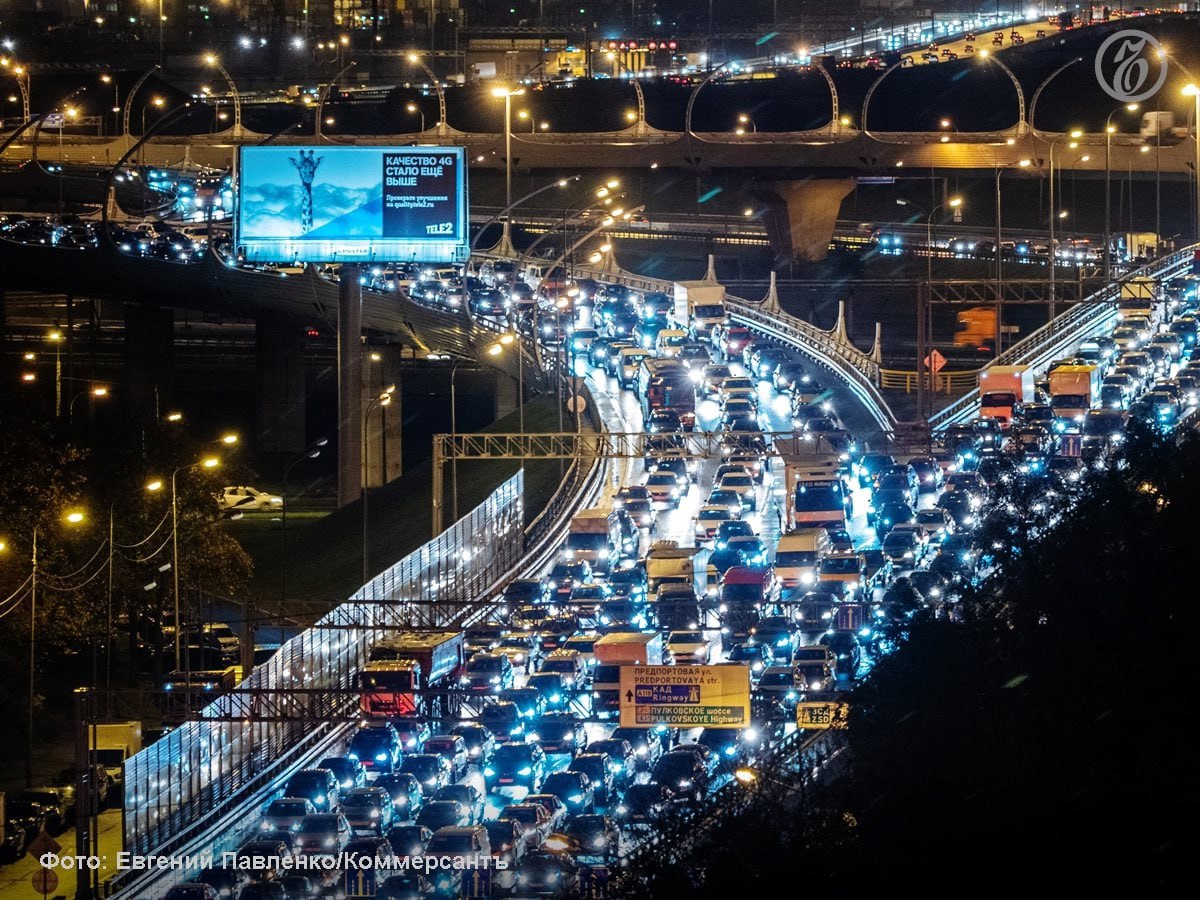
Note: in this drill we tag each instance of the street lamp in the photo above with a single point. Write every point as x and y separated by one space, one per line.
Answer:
1192 90
74 517
1074 135
97 392
56 338
415 59
312 451
209 462
1022 164
413 108
383 400
1109 128
211 59
507 95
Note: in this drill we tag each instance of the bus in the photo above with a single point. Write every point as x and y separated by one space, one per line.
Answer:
820 495
666 384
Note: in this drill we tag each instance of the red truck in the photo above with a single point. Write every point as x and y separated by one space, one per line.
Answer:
400 667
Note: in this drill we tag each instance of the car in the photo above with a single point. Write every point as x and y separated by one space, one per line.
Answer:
961 507
754 654
814 677
522 650
349 772
712 377
285 813
749 548
935 523
776 633
318 785
518 768
405 790
532 818
530 704
893 513
554 805
708 520
436 814
648 744
664 490
594 837
596 767
566 575
479 740
575 790
322 834
376 746
466 794
412 734
901 547
243 498
644 805
453 749
742 484
409 840
524 592
432 770
684 772
846 650
663 420
488 673
368 809
689 646
778 684
560 732
507 839
459 842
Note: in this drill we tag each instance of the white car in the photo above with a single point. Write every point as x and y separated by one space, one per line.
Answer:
241 497
739 387
708 520
742 484
690 647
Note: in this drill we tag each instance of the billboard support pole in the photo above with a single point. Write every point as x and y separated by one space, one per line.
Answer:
349 343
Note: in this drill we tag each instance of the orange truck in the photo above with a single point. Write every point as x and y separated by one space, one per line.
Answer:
1001 388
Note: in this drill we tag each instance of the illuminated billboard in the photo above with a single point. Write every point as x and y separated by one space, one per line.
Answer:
352 204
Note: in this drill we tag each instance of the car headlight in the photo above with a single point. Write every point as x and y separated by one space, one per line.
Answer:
380 757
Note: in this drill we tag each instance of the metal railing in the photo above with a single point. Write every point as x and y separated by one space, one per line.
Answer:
943 382
184 782
1095 314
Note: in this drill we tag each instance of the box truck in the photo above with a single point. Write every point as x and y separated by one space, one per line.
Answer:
699 305
594 535
1073 391
112 744
1001 388
613 651
668 563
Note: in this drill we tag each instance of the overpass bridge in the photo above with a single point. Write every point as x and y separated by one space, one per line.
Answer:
801 177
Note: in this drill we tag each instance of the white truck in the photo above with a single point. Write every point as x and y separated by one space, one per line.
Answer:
112 743
798 556
699 305
668 563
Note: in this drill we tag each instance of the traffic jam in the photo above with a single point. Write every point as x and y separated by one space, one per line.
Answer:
798 562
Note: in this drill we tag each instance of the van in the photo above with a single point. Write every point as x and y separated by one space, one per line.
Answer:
798 556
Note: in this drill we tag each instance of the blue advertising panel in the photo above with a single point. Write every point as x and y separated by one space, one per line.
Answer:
352 204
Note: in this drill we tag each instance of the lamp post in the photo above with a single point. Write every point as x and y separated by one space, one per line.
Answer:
56 337
1074 136
90 392
415 59
507 95
210 462
211 59
312 451
71 518
325 96
413 108
1109 128
1023 163
383 400
1193 91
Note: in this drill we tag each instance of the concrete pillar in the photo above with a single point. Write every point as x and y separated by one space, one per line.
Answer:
506 395
350 407
281 394
801 216
149 350
382 435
